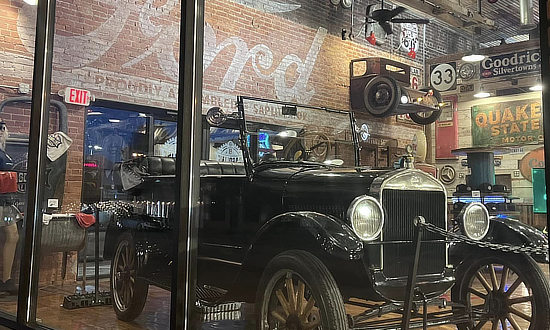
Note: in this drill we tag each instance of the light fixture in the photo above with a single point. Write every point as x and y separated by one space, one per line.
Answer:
288 133
482 94
537 87
473 57
94 113
31 2
404 99
114 120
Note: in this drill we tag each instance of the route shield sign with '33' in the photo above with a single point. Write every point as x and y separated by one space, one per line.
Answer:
443 76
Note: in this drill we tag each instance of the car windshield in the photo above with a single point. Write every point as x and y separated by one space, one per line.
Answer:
278 132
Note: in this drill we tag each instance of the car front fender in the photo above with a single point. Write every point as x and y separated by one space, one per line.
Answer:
511 231
326 237
505 231
330 234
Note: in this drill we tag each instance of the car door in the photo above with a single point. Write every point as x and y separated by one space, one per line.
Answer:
222 243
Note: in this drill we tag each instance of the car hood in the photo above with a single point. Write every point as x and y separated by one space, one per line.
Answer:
327 190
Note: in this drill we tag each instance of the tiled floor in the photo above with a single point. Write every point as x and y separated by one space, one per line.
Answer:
154 316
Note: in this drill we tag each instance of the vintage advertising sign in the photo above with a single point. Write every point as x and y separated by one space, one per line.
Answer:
408 39
533 159
510 64
443 76
508 123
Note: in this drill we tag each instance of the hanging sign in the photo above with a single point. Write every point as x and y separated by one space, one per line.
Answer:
508 123
408 39
77 96
509 64
443 77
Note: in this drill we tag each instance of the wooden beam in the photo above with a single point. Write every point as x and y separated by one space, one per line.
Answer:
452 14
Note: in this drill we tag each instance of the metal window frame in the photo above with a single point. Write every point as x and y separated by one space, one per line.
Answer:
188 154
544 31
188 157
42 73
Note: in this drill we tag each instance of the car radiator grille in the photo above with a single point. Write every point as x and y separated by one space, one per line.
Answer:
401 207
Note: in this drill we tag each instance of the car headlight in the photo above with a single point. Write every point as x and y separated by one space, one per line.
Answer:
475 221
366 217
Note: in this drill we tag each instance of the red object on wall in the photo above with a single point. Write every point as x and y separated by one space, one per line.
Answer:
446 129
8 182
77 96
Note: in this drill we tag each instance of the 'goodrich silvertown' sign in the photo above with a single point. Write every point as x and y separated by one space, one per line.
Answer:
508 64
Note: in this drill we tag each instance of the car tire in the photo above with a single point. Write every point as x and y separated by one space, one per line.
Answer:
317 299
381 96
498 309
425 120
128 292
434 115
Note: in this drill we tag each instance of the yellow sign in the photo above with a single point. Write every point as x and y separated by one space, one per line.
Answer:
509 123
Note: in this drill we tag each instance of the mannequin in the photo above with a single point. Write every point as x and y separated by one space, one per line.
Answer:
8 221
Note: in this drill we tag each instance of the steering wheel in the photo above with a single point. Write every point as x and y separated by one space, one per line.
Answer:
317 145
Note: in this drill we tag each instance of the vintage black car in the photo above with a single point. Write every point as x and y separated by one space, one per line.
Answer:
291 221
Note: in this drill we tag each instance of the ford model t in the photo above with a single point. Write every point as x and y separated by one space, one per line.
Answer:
290 221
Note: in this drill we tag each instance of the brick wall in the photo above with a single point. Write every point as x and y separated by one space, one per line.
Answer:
128 52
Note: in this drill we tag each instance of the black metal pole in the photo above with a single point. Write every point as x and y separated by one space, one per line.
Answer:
187 164
41 89
411 281
96 256
545 72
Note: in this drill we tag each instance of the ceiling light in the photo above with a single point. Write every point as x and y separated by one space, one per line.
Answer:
473 54
31 2
536 88
482 94
114 120
473 57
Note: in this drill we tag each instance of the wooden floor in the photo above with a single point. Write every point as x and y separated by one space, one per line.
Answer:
154 316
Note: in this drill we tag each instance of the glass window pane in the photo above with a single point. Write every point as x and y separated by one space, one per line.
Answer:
110 167
317 228
16 70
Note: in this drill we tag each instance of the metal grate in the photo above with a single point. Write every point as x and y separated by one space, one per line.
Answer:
401 207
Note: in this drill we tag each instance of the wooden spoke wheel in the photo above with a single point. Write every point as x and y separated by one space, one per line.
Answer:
128 292
317 146
291 306
297 292
507 292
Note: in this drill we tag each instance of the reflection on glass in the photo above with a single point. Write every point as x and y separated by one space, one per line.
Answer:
110 188
11 202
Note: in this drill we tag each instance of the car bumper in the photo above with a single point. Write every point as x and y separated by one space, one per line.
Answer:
431 285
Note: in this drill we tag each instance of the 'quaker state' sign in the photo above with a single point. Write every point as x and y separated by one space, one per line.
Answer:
509 123
509 64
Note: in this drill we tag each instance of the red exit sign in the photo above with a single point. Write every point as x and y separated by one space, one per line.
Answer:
77 96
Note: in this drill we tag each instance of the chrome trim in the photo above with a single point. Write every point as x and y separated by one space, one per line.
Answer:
381 183
220 260
352 207
462 215
223 246
219 176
